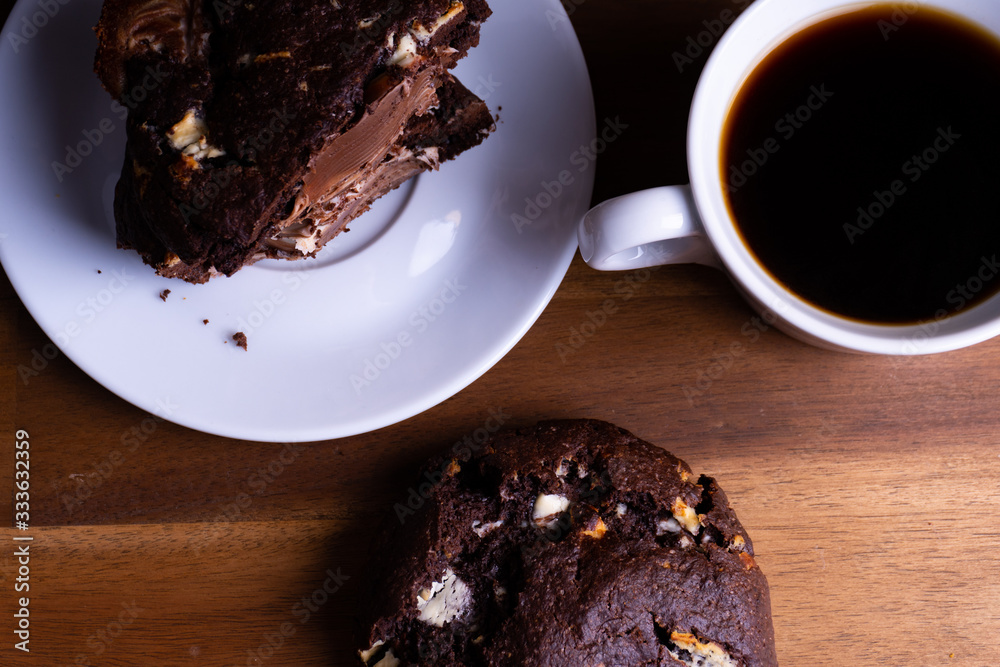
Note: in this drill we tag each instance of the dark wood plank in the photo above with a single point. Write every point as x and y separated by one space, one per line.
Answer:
871 486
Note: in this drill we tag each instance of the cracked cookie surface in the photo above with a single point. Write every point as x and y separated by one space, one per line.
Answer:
569 543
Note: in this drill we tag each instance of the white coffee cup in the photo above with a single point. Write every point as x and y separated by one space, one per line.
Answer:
692 224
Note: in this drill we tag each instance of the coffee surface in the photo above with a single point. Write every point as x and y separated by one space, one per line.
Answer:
862 162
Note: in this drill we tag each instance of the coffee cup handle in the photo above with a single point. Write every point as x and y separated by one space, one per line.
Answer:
643 229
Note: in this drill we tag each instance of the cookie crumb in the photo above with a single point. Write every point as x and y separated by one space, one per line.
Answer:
164 294
240 339
204 321
98 271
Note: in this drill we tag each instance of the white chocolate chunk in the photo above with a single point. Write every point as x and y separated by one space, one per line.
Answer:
423 34
482 529
367 655
686 516
698 654
306 244
190 137
444 601
548 508
406 51
667 526
187 131
388 660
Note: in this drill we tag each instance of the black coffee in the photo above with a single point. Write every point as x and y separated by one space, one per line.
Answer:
862 159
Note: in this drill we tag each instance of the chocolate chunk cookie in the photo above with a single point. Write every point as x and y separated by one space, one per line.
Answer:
573 544
261 129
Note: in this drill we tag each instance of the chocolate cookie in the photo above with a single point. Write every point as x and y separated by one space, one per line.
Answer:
261 129
572 544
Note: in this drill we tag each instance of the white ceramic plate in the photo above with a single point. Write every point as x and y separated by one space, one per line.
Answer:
429 290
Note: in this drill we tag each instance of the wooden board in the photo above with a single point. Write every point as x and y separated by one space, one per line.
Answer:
871 486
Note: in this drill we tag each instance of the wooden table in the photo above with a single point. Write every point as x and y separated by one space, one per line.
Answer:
871 486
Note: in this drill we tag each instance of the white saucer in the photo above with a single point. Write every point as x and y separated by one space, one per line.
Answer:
390 320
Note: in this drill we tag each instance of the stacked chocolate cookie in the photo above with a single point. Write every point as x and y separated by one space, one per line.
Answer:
261 129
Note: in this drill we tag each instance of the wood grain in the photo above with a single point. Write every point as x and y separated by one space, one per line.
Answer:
871 486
